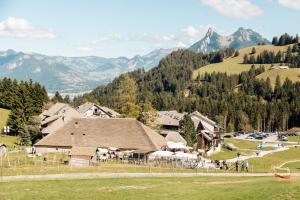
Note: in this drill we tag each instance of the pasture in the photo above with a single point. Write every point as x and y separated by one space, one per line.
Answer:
154 188
265 164
233 65
4 113
292 74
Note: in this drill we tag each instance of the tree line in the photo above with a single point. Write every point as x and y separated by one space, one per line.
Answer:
291 57
25 99
285 39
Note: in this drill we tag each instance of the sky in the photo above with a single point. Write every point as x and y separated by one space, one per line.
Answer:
114 28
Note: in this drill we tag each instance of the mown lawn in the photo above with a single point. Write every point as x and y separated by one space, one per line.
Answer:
9 141
242 144
266 163
192 188
294 138
227 154
3 118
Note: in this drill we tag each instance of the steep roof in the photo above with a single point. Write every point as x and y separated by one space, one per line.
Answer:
109 111
175 137
83 151
207 123
170 118
54 110
57 121
86 106
97 132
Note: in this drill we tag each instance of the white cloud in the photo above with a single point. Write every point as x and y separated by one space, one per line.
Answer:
289 3
241 9
195 32
111 37
181 45
85 49
21 28
152 38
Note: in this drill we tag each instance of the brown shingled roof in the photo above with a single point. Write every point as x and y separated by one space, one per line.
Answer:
95 132
83 151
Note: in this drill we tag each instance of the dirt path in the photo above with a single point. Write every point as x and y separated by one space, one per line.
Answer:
128 175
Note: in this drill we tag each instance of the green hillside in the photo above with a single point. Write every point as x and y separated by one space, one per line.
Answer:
3 117
233 65
293 74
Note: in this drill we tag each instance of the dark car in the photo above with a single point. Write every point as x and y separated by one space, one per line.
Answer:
259 137
236 134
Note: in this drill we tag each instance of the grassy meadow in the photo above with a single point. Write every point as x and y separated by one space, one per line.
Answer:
233 65
4 113
154 188
266 163
293 74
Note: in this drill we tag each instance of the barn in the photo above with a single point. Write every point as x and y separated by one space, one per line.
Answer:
122 133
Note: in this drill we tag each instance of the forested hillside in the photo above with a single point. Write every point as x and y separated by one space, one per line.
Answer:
238 102
25 100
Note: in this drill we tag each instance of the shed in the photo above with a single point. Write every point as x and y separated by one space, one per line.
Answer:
82 156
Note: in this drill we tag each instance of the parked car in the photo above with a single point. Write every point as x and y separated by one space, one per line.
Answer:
236 134
259 137
283 138
250 137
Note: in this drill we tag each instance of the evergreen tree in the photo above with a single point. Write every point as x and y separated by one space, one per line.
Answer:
277 89
237 53
275 41
246 60
126 97
57 98
187 130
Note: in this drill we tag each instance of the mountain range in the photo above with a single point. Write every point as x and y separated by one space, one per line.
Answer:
80 74
242 38
72 74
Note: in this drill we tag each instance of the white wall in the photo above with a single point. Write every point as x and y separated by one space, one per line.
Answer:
52 150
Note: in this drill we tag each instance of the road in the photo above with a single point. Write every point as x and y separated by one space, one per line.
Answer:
128 175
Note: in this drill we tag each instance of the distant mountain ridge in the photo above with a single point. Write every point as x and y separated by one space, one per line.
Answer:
72 74
81 74
242 38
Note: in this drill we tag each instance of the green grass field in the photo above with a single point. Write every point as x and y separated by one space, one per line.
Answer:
3 118
266 163
227 154
293 74
194 188
234 65
242 144
294 138
10 141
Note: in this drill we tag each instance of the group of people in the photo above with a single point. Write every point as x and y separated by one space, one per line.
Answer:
242 166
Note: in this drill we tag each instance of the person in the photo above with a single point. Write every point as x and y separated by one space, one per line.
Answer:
243 166
237 166
246 165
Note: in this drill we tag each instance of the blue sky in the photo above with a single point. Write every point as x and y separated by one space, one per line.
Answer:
115 28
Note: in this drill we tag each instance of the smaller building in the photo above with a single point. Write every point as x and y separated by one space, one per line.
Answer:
82 156
56 117
93 110
208 132
279 67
